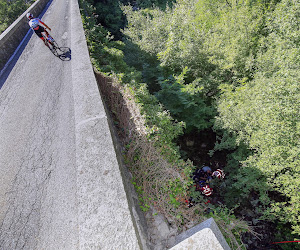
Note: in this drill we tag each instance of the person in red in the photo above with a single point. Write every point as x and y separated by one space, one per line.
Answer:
37 26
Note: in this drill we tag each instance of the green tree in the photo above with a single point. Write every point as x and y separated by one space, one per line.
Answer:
265 114
11 10
187 102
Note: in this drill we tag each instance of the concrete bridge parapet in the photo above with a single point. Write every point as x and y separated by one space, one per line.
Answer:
105 217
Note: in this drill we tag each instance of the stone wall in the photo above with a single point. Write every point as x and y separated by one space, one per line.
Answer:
204 236
138 216
14 34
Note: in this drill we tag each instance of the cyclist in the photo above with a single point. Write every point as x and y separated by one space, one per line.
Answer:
203 174
35 25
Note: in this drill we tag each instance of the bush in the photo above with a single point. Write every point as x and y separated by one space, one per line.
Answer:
11 10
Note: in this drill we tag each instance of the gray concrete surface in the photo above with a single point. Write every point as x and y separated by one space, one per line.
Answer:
37 151
105 221
13 35
60 184
205 236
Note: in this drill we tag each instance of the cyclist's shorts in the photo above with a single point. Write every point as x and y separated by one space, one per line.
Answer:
38 30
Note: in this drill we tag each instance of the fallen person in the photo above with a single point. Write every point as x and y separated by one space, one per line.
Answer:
202 177
204 174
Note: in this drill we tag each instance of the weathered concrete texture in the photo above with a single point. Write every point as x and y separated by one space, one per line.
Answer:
105 221
139 221
38 175
161 233
13 35
205 236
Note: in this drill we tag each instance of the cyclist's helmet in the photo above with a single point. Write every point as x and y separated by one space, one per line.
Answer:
219 173
29 16
206 190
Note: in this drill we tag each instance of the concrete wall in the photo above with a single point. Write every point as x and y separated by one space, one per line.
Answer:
133 200
13 35
205 236
105 216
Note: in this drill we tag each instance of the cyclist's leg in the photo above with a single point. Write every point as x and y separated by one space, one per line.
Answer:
45 41
47 37
39 33
50 39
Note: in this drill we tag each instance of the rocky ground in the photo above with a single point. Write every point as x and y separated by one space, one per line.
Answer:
160 234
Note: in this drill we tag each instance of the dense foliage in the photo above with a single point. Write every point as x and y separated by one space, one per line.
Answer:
242 58
108 57
11 10
264 114
228 65
110 15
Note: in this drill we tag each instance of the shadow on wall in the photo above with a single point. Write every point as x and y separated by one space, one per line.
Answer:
123 129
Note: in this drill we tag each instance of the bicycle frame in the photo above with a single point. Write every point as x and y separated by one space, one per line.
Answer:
53 46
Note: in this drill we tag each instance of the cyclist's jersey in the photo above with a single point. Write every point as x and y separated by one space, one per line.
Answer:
34 23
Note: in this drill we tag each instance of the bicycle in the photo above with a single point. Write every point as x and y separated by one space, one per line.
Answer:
51 44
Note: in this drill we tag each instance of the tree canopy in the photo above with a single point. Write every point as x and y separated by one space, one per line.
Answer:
234 65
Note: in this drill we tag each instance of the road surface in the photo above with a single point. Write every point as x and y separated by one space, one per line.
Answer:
37 145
